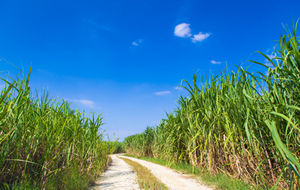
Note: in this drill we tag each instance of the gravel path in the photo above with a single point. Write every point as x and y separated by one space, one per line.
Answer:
172 179
119 176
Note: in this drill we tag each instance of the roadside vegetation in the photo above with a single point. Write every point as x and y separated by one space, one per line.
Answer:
146 179
240 124
44 143
117 147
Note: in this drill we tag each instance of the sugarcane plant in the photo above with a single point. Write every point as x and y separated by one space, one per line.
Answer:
45 143
239 123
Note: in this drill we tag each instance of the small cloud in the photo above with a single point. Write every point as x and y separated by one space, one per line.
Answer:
162 93
2 86
267 73
269 64
178 88
215 62
95 24
200 37
271 49
137 42
88 103
271 56
182 30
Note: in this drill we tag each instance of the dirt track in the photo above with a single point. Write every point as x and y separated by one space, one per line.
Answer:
120 176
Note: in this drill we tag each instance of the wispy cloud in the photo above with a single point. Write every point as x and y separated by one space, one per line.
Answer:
88 103
137 42
182 30
178 88
267 62
271 49
271 56
215 62
2 86
93 23
266 73
162 93
200 37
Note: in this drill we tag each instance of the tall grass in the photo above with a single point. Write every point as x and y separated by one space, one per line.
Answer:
46 144
242 124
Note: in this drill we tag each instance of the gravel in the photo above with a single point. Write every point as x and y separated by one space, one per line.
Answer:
172 179
119 176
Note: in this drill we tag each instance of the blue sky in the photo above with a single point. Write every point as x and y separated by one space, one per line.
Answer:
125 58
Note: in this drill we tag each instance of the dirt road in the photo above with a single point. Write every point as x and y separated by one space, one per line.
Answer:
120 176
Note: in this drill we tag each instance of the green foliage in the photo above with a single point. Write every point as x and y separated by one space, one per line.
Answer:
119 147
42 138
140 144
115 146
238 123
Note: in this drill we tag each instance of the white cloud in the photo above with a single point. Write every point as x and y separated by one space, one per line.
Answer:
266 73
200 37
215 62
271 49
162 93
88 103
182 30
137 42
2 86
178 88
269 64
271 56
